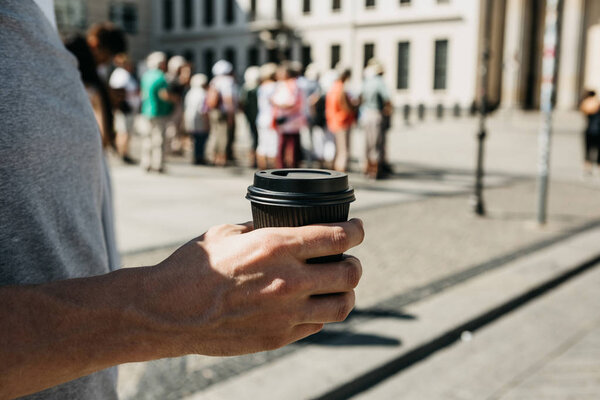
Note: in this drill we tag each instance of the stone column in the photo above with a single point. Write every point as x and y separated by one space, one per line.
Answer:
592 65
567 95
177 16
513 53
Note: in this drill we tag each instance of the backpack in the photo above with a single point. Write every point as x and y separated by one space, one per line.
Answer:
213 98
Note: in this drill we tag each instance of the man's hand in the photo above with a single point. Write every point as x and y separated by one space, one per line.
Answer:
235 291
231 291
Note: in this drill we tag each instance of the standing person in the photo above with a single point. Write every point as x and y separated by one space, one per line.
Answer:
266 151
93 52
340 113
122 81
249 103
195 118
222 99
590 107
309 83
376 110
156 107
178 78
68 316
105 40
288 117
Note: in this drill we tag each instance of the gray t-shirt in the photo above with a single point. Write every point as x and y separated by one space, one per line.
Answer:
55 217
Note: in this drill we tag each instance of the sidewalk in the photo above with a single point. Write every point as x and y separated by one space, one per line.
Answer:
549 349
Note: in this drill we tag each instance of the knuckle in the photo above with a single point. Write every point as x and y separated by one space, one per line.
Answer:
339 239
346 305
283 287
353 272
361 231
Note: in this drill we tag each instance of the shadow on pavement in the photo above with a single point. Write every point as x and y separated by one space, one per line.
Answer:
379 313
328 338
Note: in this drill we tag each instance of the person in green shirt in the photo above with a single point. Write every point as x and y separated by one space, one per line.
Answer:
156 108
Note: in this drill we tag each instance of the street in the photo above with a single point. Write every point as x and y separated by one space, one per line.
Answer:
421 236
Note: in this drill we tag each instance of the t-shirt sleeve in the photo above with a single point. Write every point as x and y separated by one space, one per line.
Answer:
161 83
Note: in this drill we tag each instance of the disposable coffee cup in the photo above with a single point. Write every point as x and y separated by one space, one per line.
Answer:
298 197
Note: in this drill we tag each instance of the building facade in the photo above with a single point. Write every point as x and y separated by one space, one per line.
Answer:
429 47
578 58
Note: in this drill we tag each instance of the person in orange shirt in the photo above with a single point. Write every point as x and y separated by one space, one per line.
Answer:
340 113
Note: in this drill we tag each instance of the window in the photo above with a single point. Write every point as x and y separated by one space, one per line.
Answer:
125 16
279 10
253 56
306 55
229 11
403 63
306 6
252 13
336 5
167 14
369 52
190 56
209 11
440 64
336 50
70 15
404 2
188 14
209 61
370 4
230 56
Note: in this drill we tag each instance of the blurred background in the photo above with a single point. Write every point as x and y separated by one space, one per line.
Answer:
430 48
482 215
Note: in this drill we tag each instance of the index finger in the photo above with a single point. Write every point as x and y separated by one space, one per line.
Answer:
327 239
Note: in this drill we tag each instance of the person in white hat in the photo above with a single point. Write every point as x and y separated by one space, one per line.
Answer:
157 105
195 117
376 110
266 151
179 72
222 102
126 86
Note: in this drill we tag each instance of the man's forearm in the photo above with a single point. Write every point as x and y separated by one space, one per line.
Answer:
56 332
228 292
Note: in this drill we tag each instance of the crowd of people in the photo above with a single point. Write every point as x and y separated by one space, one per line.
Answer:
295 116
281 104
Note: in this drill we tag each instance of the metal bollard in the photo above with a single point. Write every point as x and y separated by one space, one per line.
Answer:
406 113
421 111
439 111
457 110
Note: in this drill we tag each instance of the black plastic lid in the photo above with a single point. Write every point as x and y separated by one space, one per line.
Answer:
300 187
